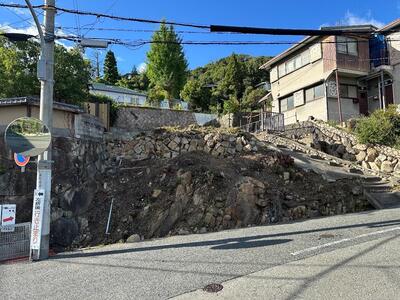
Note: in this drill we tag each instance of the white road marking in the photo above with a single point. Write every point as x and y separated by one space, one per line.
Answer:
343 241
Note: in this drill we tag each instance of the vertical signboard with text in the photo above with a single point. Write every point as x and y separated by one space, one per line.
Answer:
37 215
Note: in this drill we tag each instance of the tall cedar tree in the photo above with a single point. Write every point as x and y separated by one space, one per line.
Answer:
166 62
111 75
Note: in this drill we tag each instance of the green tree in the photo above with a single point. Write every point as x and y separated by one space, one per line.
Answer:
231 79
18 65
111 74
134 81
156 95
71 75
251 97
166 63
18 69
197 94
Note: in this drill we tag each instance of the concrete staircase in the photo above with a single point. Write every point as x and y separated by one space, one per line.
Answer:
380 193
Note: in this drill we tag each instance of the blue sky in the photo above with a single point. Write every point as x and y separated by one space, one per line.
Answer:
259 13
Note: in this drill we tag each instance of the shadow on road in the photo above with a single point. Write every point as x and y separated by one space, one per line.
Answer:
317 277
230 243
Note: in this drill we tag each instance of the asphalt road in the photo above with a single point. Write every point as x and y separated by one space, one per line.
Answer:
174 266
29 146
369 270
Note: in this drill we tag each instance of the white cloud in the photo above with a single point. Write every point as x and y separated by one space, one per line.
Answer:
32 30
142 68
353 19
120 59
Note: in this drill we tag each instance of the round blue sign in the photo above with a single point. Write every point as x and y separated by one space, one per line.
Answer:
21 160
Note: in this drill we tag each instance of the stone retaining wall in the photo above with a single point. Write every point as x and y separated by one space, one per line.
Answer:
342 144
170 144
138 119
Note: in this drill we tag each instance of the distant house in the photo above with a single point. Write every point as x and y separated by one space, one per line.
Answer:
336 77
119 94
176 103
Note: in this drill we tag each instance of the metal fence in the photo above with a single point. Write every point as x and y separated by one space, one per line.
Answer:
253 127
274 122
15 244
267 121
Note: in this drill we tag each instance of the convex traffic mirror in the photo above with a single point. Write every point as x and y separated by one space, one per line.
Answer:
27 136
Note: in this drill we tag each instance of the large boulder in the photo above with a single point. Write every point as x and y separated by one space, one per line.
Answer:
78 200
249 199
372 154
361 147
387 167
361 156
63 232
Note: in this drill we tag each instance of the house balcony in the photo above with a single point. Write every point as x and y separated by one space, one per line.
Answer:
354 64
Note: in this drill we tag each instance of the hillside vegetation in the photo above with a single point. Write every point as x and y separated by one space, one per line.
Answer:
229 84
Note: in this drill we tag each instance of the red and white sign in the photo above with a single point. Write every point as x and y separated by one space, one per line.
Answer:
21 160
37 214
8 217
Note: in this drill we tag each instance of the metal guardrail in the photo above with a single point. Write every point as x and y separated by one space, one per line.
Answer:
252 127
15 244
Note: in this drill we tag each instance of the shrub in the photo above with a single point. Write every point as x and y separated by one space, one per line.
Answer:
381 127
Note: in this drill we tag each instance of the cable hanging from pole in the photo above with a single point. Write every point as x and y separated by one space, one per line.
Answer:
101 15
220 28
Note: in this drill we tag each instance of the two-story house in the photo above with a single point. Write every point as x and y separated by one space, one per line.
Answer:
329 77
391 49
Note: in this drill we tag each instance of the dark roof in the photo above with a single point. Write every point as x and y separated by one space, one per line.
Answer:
368 28
391 26
114 89
36 102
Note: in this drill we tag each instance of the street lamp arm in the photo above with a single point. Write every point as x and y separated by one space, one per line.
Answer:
35 18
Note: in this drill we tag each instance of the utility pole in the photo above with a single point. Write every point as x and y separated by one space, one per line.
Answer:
382 87
97 64
338 97
46 77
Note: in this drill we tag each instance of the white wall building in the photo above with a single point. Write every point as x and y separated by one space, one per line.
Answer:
119 94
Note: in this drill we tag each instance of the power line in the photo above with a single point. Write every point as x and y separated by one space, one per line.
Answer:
78 25
97 19
101 15
307 32
219 28
143 30
124 41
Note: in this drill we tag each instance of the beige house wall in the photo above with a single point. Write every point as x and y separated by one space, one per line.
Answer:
61 119
10 113
317 108
298 79
349 109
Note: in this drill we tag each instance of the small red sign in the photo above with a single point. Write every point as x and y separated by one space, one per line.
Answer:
21 160
9 219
